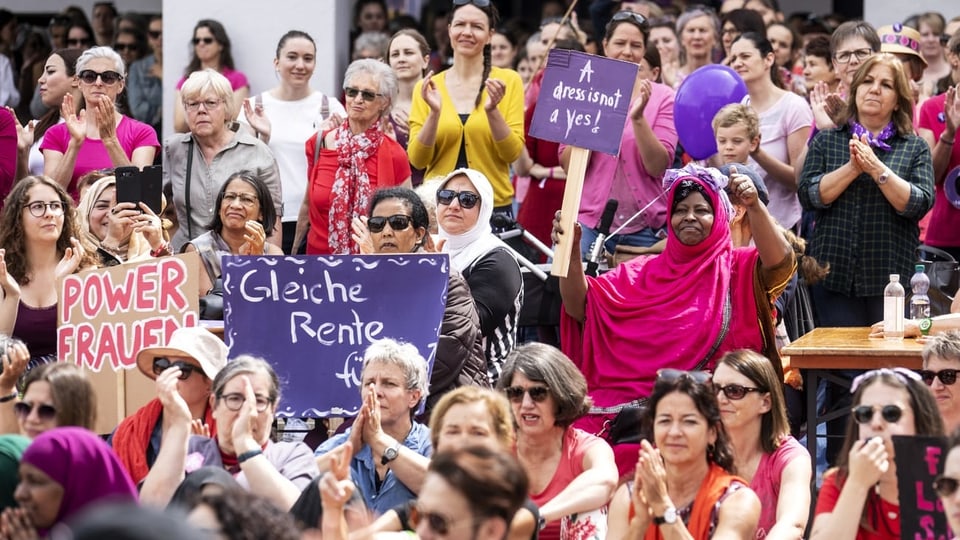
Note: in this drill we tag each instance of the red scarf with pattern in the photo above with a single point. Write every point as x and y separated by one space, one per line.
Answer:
351 192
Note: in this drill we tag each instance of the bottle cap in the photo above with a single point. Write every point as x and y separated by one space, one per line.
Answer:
894 277
919 268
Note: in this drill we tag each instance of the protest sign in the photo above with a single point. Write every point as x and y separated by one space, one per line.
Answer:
584 100
107 315
919 459
313 317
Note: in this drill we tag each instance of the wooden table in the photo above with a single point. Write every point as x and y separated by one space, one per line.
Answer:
823 351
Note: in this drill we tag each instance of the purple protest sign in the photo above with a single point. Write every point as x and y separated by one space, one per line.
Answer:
584 100
313 317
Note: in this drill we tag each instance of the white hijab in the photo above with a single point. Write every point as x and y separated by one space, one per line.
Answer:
466 248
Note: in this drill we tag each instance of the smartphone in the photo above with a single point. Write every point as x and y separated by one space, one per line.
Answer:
135 186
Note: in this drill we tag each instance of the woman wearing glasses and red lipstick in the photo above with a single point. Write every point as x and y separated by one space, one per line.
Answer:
859 497
99 136
776 466
198 356
572 473
355 158
684 484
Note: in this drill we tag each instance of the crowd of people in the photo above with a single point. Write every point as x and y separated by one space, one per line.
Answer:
660 407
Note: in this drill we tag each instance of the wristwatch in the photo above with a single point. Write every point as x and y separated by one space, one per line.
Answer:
669 517
884 176
925 325
390 454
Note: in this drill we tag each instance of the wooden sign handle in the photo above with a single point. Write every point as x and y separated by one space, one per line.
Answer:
568 212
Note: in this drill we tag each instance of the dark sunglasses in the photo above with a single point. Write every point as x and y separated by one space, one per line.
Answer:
438 523
890 413
108 77
467 199
945 486
737 391
398 222
204 40
671 375
80 41
155 34
162 363
537 393
627 15
125 47
946 376
44 412
352 92
478 3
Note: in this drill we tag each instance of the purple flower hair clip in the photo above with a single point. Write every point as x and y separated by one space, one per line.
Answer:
905 375
709 175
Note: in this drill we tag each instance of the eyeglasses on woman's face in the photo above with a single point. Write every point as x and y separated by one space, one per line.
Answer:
109 78
246 199
40 208
234 401
467 199
945 486
397 222
162 363
736 392
537 393
891 414
45 412
844 57
208 104
368 96
205 40
946 376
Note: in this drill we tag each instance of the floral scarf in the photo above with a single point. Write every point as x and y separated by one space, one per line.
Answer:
351 187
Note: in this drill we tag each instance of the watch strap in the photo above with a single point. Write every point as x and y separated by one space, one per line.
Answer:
10 397
246 456
925 325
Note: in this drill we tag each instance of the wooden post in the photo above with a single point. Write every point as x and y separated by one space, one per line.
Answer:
568 212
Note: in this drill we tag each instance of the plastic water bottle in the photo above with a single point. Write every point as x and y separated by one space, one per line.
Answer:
919 302
893 309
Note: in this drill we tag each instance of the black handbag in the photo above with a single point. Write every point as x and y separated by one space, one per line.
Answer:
944 273
625 428
211 304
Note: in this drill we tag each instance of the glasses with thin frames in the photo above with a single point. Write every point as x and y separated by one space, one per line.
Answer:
397 222
467 199
162 363
209 104
234 401
204 40
245 199
368 96
946 376
891 414
39 208
844 57
945 486
109 78
737 392
45 412
537 393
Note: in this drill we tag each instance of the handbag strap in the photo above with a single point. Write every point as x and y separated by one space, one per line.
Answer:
186 190
727 313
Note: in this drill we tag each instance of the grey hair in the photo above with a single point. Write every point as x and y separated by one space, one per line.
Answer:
547 364
945 346
208 79
246 364
405 356
377 41
382 73
101 52
692 14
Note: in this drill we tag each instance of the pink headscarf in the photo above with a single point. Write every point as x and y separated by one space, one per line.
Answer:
666 310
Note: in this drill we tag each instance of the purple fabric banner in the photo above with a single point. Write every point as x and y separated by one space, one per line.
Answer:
313 317
584 100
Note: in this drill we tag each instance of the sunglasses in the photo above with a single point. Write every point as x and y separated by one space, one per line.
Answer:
478 3
945 486
467 199
671 375
204 40
397 222
946 376
125 47
537 393
438 523
628 15
890 413
162 363
45 412
367 95
737 391
109 78
155 34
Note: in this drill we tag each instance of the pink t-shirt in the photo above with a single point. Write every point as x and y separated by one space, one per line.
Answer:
766 481
789 114
944 218
625 178
131 133
576 443
237 79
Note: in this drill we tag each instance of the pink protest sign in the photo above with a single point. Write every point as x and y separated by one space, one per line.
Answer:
584 100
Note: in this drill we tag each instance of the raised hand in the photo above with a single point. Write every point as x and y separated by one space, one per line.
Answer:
257 119
866 160
106 117
742 189
558 231
496 89
371 406
636 110
8 285
76 124
868 460
652 476
951 110
71 259
361 235
149 225
24 132
242 432
255 238
336 488
430 94
122 218
175 408
14 363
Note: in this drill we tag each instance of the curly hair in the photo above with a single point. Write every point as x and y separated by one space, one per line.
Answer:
245 516
13 237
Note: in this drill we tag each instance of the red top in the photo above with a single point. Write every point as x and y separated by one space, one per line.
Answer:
944 218
886 522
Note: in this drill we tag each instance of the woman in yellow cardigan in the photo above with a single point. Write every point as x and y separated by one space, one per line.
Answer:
470 115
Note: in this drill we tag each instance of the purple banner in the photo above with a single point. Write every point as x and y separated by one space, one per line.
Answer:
584 100
313 317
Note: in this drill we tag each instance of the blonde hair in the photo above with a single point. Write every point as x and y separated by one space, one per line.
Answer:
208 79
737 114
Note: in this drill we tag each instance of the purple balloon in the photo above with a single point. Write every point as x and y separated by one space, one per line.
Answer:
700 96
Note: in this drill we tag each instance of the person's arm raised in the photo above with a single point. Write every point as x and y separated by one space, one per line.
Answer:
573 288
168 470
771 244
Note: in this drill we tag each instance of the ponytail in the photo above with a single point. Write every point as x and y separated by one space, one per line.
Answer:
486 73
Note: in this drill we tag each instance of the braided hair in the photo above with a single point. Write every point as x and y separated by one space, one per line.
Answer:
493 18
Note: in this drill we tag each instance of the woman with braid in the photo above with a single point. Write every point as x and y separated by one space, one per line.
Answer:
471 115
